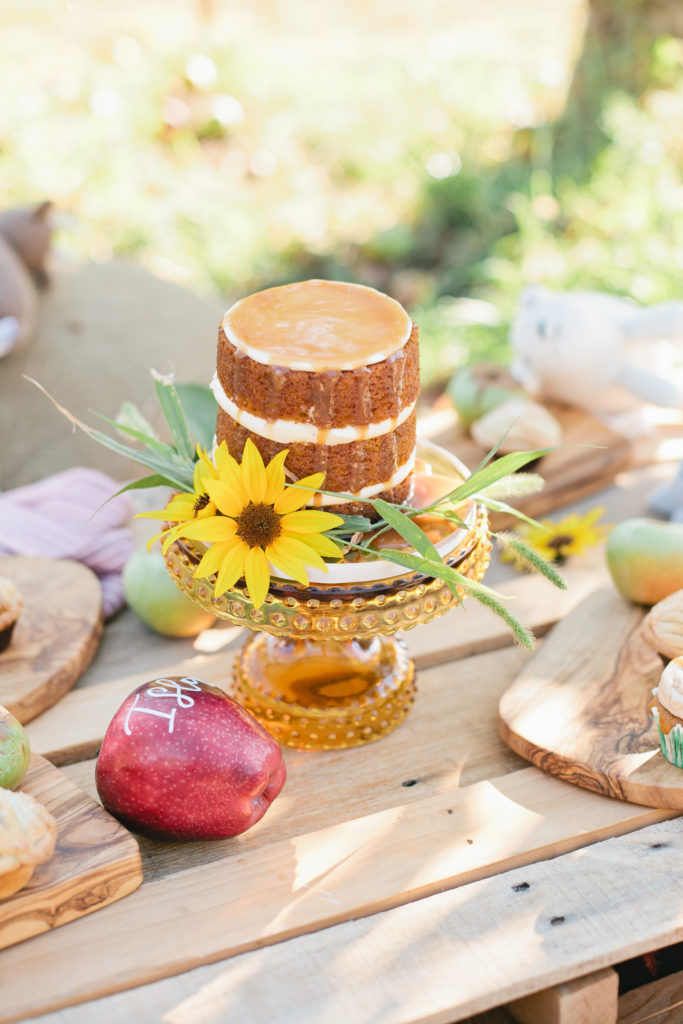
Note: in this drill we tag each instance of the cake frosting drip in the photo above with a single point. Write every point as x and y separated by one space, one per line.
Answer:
670 688
318 326
289 431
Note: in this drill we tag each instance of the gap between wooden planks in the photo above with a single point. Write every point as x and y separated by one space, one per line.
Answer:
446 957
73 729
471 813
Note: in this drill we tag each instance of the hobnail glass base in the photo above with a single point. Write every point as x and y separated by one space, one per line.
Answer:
325 694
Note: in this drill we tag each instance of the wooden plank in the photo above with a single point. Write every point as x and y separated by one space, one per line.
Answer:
96 861
73 730
55 636
658 1002
592 999
352 869
443 958
579 709
426 756
570 472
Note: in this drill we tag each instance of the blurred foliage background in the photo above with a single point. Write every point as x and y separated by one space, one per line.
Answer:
445 152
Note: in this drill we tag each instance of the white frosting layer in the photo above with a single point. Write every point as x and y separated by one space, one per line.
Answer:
670 688
292 432
371 490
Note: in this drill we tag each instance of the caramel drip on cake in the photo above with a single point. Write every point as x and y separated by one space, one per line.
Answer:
344 404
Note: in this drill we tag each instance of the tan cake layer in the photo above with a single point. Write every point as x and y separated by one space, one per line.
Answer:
332 398
347 467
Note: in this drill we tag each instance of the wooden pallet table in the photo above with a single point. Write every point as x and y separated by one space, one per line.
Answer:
425 878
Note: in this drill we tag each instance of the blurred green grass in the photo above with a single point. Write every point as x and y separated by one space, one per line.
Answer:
227 147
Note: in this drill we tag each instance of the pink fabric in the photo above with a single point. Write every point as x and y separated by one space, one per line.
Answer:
65 516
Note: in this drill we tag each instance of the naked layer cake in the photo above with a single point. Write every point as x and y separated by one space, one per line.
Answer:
330 371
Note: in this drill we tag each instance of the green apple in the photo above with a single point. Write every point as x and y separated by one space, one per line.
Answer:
15 752
645 559
475 390
153 595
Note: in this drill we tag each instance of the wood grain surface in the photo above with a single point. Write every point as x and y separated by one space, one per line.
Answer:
56 634
437 804
579 709
73 729
96 861
590 456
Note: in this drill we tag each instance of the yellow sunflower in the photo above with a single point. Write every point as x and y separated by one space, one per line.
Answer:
188 505
556 541
259 522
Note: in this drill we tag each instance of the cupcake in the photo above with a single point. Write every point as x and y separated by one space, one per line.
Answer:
28 833
10 606
666 707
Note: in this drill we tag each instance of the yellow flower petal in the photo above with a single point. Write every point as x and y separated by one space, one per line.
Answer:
296 547
253 473
323 545
166 515
217 528
295 497
257 575
310 521
289 566
275 475
229 472
212 561
231 569
226 498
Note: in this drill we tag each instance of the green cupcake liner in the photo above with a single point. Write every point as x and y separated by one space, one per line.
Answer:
671 743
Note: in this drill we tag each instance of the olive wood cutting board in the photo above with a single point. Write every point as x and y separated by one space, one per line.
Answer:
579 709
96 861
56 634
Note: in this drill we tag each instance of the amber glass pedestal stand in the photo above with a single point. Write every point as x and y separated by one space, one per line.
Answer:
325 670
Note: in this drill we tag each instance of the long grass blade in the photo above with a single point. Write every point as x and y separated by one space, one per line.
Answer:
174 415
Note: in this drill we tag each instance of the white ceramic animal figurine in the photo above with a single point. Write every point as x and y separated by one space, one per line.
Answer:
24 247
588 349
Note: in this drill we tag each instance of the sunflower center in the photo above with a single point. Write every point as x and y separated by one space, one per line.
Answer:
561 540
258 525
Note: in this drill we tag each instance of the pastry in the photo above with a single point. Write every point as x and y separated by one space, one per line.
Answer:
666 707
28 833
10 607
662 627
517 425
330 371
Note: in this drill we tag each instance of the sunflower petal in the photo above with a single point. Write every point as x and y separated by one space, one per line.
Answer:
228 499
295 497
228 470
214 557
167 515
231 569
323 545
296 547
289 566
275 475
310 521
257 575
253 473
217 528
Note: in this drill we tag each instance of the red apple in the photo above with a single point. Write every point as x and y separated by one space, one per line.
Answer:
181 759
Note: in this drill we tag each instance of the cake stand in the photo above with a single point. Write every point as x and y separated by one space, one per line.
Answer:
325 669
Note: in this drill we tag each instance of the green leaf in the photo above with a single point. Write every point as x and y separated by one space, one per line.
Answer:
150 442
410 531
174 415
510 510
200 409
130 416
493 472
